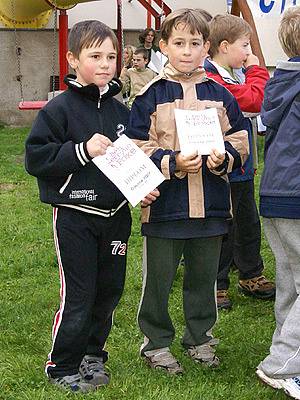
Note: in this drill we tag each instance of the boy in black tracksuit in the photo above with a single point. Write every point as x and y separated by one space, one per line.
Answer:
91 217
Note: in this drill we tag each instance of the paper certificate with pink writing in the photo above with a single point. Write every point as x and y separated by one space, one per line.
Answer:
199 131
130 169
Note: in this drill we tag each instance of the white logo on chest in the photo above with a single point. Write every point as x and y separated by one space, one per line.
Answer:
120 129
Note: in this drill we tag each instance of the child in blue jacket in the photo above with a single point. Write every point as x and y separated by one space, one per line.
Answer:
280 207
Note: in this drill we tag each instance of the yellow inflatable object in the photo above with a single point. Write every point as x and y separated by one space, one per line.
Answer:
32 13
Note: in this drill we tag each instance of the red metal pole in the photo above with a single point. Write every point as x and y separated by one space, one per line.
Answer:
119 36
63 47
149 22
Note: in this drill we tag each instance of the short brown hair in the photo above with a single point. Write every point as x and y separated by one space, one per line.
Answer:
192 18
142 51
205 14
88 33
289 31
226 27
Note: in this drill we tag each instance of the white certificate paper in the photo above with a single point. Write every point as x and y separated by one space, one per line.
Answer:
157 61
130 169
199 131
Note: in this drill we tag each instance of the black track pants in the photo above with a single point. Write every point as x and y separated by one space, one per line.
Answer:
91 253
241 246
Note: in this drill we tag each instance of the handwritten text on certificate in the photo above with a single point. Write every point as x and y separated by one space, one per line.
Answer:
130 169
199 131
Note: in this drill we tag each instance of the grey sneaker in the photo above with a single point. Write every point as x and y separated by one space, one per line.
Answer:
72 383
163 359
93 371
204 354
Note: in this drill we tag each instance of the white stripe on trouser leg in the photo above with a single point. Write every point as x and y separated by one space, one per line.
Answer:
59 314
287 361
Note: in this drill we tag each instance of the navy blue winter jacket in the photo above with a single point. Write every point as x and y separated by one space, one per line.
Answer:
280 183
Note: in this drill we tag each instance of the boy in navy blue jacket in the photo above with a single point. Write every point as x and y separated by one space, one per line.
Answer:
91 217
280 207
190 216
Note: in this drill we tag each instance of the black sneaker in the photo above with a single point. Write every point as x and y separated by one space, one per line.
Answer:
92 369
258 287
72 383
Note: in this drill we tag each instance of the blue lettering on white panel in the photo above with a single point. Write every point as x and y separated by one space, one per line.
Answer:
264 7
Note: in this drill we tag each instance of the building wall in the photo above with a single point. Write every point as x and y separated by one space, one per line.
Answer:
36 63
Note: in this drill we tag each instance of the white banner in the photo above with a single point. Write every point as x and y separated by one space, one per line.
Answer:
269 9
267 14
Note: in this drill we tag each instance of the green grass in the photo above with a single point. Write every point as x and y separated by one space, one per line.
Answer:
29 290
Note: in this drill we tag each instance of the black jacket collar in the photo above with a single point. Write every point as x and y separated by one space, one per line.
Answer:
92 91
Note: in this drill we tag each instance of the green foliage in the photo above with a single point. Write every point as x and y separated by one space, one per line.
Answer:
29 296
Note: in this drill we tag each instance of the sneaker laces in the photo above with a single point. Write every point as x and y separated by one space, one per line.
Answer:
222 294
256 283
296 379
204 353
91 365
164 358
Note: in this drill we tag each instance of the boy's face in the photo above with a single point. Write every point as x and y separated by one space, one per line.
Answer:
238 51
96 64
185 51
138 61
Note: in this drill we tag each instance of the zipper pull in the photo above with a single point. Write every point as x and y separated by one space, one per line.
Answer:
99 102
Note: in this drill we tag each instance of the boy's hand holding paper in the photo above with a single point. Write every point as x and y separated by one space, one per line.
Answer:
130 169
199 131
190 163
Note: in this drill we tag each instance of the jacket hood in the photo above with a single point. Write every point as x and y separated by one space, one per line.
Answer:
92 91
280 91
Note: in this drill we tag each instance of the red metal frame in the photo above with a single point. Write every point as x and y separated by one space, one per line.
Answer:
119 35
63 44
152 11
166 9
63 48
149 17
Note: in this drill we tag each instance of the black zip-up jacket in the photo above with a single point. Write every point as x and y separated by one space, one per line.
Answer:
56 147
